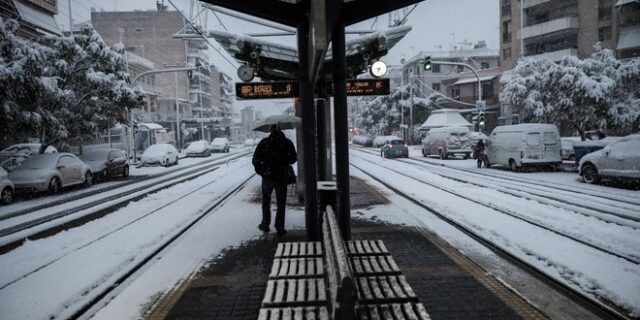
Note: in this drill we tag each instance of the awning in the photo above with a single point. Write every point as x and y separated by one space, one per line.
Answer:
474 80
629 38
37 17
623 2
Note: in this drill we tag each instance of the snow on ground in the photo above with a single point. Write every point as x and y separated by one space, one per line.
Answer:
236 222
66 278
584 268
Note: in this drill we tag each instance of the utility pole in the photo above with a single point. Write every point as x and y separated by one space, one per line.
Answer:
411 106
521 29
70 19
200 95
402 105
175 94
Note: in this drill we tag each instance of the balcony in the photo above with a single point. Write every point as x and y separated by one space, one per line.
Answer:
556 56
530 3
550 26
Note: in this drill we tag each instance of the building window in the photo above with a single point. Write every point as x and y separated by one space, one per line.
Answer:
605 8
435 68
506 53
455 92
487 90
506 8
139 29
484 65
435 86
604 33
506 31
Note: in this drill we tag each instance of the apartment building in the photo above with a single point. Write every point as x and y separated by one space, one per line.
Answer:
556 28
35 17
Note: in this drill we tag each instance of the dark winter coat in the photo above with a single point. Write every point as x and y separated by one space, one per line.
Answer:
479 147
273 156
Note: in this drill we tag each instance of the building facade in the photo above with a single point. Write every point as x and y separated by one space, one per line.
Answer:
558 28
35 17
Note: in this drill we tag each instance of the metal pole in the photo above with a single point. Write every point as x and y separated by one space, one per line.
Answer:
411 108
175 93
521 29
321 128
70 19
200 94
402 105
308 137
341 128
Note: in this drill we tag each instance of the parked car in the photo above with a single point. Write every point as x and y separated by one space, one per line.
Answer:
525 144
160 154
447 142
12 156
380 141
51 172
198 148
583 148
395 148
567 143
364 141
6 188
107 163
220 145
249 142
618 160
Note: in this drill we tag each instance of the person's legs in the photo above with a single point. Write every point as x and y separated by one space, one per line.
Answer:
267 189
281 199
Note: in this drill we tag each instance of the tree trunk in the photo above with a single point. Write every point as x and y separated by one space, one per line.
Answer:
79 143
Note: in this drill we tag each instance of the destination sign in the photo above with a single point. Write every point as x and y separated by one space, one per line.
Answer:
290 89
365 87
267 90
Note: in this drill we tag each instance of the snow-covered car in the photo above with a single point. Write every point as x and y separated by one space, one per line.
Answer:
525 144
380 141
107 163
249 143
364 141
618 160
198 148
12 156
162 154
447 142
51 172
567 143
220 145
6 188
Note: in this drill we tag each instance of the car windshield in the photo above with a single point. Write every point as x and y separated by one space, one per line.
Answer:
197 145
40 161
397 142
157 149
95 155
222 141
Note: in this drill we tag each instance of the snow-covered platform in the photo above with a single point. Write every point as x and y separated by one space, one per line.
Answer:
450 285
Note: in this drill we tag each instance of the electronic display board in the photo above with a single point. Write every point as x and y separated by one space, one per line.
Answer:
290 89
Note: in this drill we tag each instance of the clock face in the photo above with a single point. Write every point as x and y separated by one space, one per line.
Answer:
378 69
245 73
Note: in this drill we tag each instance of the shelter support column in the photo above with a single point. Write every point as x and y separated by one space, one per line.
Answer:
308 137
341 128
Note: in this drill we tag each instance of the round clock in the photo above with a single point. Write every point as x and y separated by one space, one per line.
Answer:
378 69
245 73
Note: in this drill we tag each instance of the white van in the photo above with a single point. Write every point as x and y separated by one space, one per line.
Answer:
447 141
524 145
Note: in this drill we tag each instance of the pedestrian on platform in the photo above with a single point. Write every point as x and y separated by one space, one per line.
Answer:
272 160
479 152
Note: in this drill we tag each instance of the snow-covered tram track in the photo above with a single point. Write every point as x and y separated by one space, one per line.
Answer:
605 209
628 254
573 268
45 222
147 227
573 189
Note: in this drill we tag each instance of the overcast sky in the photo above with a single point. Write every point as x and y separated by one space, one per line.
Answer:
437 25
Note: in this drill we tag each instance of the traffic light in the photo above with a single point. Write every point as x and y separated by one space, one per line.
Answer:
427 63
481 120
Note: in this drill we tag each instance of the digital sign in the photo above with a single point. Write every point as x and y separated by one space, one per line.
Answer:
365 87
290 89
267 90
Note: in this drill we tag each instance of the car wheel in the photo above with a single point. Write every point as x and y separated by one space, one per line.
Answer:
88 179
165 162
176 163
487 164
590 174
105 174
125 172
441 155
6 197
54 185
512 165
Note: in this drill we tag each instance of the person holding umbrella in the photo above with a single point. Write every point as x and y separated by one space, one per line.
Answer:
272 160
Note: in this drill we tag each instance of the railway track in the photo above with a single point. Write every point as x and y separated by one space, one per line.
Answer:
601 307
618 210
147 218
53 219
